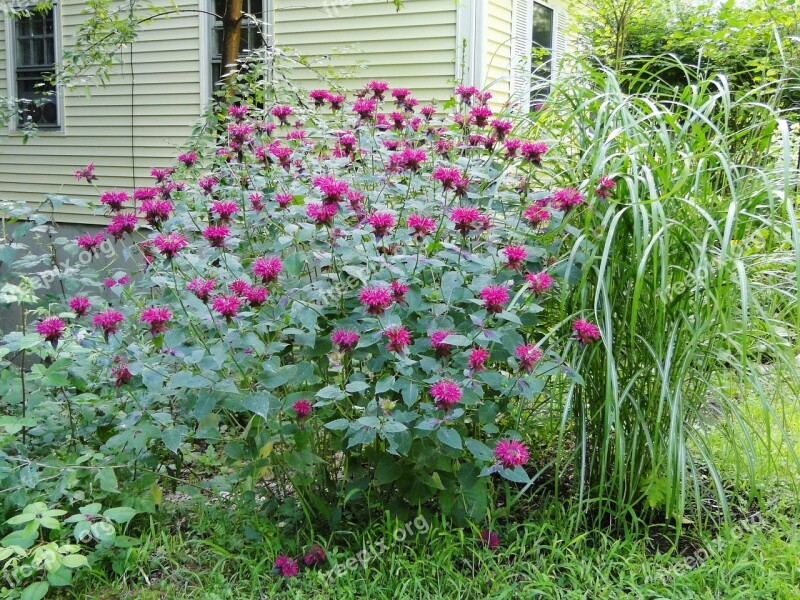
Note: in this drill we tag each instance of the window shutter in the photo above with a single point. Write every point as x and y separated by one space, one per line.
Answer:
559 38
521 50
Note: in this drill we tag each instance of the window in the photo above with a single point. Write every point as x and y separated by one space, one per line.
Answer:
252 37
542 41
34 48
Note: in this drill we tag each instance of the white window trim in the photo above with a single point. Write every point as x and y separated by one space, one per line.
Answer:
11 70
521 65
206 24
472 17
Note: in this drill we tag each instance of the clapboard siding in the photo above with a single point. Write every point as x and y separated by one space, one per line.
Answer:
498 50
110 128
414 48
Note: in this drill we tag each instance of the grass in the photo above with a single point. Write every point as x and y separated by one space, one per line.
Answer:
215 559
195 550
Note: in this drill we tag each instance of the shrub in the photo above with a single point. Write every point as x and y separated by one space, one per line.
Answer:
350 302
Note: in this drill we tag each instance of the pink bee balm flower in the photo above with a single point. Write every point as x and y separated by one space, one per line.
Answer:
448 176
333 190
346 340
170 244
155 211
539 282
490 539
466 92
239 287
399 291
537 215
109 321
604 187
267 268
378 88
52 328
511 453
515 256
422 226
567 199
285 566
585 332
477 359
142 194
282 112
121 374
465 218
501 128
400 95
227 306
376 299
224 210
533 151
428 111
86 173
216 235
80 305
114 200
481 114
121 224
283 200
256 201
336 101
494 297
321 214
438 342
446 393
161 175
381 223
256 295
411 159
207 183
302 408
201 288
187 158
512 146
314 556
89 242
238 112
399 338
365 108
319 97
527 355
156 317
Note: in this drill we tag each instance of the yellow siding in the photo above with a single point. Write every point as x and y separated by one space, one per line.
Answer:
414 48
102 128
498 50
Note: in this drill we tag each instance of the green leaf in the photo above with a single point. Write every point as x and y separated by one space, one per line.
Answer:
338 425
35 591
62 576
108 480
331 392
260 403
478 449
120 514
449 437
356 386
172 439
517 474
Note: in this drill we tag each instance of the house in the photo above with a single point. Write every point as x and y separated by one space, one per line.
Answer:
166 77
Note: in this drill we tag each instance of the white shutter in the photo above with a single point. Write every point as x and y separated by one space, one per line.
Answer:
559 39
521 41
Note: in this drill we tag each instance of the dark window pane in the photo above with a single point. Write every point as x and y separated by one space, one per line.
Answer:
35 63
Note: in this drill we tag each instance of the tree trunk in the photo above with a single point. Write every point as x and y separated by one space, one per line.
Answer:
231 36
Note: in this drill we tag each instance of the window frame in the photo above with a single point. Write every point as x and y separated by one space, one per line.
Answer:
208 23
545 69
14 127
